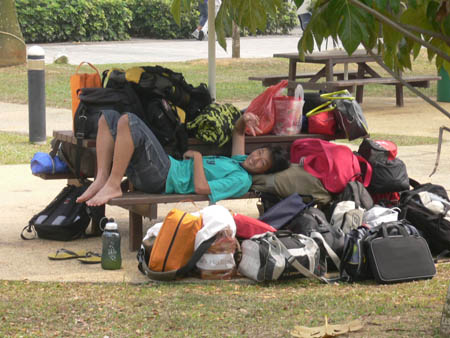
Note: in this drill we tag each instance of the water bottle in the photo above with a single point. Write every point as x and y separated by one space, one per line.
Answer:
111 258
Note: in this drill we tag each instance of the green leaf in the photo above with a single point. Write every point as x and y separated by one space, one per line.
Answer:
349 29
176 11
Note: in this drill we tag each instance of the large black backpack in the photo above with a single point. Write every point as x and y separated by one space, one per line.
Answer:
151 82
162 118
63 219
388 175
434 227
94 100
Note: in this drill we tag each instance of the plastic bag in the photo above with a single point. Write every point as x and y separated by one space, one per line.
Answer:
218 262
288 113
262 106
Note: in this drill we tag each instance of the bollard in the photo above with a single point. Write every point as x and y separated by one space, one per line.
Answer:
36 95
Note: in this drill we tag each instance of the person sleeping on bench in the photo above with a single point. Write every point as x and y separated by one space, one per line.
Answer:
126 146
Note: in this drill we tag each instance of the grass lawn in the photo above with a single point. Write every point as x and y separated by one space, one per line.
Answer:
220 309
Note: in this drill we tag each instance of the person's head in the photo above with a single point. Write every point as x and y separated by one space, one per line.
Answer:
266 160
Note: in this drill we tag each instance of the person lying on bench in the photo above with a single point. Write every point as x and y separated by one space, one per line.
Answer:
125 145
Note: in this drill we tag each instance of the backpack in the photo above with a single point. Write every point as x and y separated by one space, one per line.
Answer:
434 226
282 213
151 82
389 173
335 165
214 124
94 100
162 118
313 223
346 212
63 219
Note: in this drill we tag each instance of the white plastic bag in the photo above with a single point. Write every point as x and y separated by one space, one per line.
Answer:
378 214
288 113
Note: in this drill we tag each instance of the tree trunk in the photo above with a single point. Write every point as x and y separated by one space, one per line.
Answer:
12 48
236 42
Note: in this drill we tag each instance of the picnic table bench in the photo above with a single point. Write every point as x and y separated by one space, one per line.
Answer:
141 204
364 75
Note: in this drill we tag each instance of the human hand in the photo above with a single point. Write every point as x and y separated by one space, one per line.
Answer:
251 123
190 154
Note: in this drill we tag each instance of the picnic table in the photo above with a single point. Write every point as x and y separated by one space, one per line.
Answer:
336 80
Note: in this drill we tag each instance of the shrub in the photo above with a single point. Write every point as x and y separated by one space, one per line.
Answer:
109 20
153 19
73 20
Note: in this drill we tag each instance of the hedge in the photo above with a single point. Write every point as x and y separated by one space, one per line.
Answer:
109 20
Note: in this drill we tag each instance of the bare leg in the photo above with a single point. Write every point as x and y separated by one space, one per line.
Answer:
123 150
105 149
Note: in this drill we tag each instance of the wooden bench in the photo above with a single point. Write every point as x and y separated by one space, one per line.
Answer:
269 80
422 81
142 205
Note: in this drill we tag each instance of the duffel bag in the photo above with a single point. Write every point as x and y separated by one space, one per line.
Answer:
432 223
271 256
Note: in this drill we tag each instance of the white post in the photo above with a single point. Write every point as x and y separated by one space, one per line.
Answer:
212 48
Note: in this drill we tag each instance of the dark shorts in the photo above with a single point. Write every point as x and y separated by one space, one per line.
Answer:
149 164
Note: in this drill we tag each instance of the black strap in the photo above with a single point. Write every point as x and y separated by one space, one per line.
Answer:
30 229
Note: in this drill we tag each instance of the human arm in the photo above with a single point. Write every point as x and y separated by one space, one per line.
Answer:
247 120
201 185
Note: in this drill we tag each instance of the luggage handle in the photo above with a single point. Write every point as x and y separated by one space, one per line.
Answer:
401 229
90 65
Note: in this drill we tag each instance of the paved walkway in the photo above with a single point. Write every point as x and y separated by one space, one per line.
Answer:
24 195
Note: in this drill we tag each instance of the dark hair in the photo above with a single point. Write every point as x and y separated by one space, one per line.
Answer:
280 160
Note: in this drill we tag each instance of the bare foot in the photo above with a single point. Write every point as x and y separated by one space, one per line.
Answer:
105 194
92 190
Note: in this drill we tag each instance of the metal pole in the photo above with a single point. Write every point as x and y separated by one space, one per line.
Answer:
36 95
212 48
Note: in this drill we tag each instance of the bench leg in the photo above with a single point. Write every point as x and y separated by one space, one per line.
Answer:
399 95
135 231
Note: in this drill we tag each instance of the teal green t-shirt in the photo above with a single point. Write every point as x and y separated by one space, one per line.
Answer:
225 176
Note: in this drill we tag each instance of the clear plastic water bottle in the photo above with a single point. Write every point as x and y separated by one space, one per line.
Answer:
111 257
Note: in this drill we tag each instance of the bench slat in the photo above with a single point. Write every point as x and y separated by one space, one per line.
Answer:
269 80
136 197
420 80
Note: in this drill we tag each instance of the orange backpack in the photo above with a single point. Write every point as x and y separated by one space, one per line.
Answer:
174 245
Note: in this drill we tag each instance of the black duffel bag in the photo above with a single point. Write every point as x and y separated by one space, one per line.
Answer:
434 227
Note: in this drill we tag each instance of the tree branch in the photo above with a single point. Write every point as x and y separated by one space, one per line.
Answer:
402 30
406 84
433 34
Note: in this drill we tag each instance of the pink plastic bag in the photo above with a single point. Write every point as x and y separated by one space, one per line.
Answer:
288 113
262 106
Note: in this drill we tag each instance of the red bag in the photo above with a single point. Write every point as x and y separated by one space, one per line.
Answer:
262 106
246 226
335 165
323 123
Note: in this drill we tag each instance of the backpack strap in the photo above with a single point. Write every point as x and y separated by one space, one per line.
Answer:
295 263
183 271
330 252
355 191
